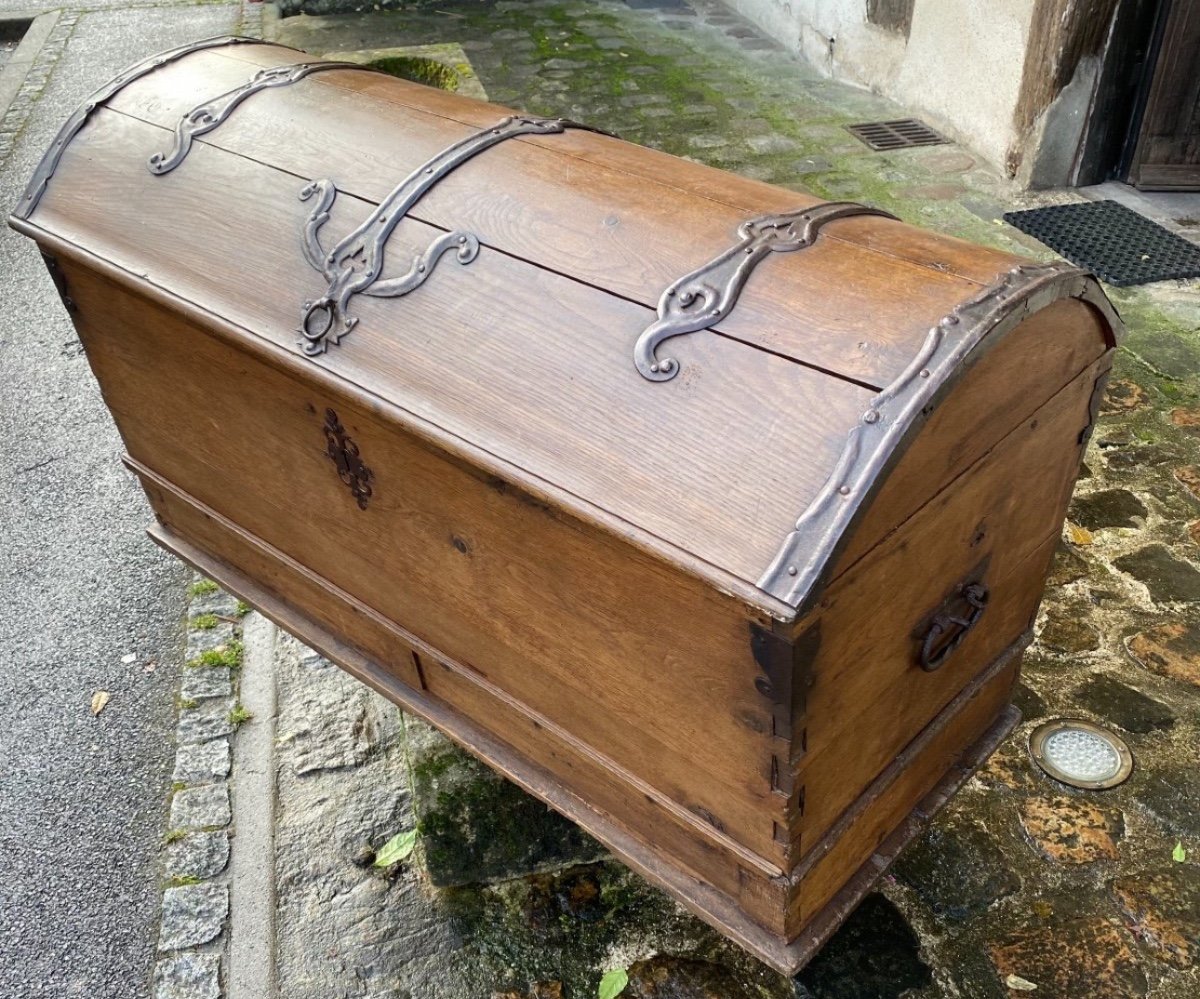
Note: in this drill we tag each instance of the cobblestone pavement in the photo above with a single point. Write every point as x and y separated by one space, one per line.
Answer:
1075 892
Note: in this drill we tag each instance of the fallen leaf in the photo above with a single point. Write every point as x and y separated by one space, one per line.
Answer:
151 666
613 983
396 849
1179 854
127 659
1079 535
99 700
1019 984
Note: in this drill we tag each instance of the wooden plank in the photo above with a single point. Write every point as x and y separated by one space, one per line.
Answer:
928 250
759 605
993 524
190 523
995 515
833 775
570 203
645 855
566 619
695 462
335 611
887 805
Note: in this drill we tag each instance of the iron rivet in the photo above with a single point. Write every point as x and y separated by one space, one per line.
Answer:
462 239
871 416
716 312
668 364
654 367
791 570
924 372
844 490
950 320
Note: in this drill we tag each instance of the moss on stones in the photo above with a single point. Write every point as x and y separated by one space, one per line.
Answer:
477 827
427 71
228 655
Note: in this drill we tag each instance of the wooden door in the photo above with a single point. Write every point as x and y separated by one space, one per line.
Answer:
1167 154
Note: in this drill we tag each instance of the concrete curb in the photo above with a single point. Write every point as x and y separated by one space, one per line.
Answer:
12 77
252 901
27 72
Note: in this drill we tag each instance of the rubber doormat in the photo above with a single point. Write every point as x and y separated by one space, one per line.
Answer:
1120 245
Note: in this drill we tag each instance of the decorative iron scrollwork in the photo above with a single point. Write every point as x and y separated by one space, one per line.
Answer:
704 297
203 118
343 452
354 265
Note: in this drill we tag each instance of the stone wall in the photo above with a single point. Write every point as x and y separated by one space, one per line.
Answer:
959 64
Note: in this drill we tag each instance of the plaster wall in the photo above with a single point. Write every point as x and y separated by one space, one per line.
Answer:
960 67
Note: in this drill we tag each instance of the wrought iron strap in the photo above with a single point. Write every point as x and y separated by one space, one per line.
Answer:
354 265
203 118
45 170
894 414
704 297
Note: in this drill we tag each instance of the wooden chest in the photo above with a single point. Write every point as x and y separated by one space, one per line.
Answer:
713 515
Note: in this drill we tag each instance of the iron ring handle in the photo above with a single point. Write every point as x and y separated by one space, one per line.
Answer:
935 649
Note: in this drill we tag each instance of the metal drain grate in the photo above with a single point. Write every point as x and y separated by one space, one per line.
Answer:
899 134
1121 246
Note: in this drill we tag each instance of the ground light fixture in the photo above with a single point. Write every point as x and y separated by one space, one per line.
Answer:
1080 753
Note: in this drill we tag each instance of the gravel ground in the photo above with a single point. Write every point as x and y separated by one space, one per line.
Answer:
82 799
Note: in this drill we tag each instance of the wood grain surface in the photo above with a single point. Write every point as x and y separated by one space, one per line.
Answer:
617 648
698 462
577 204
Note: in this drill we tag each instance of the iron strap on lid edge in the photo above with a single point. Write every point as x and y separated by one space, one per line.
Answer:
49 162
807 551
